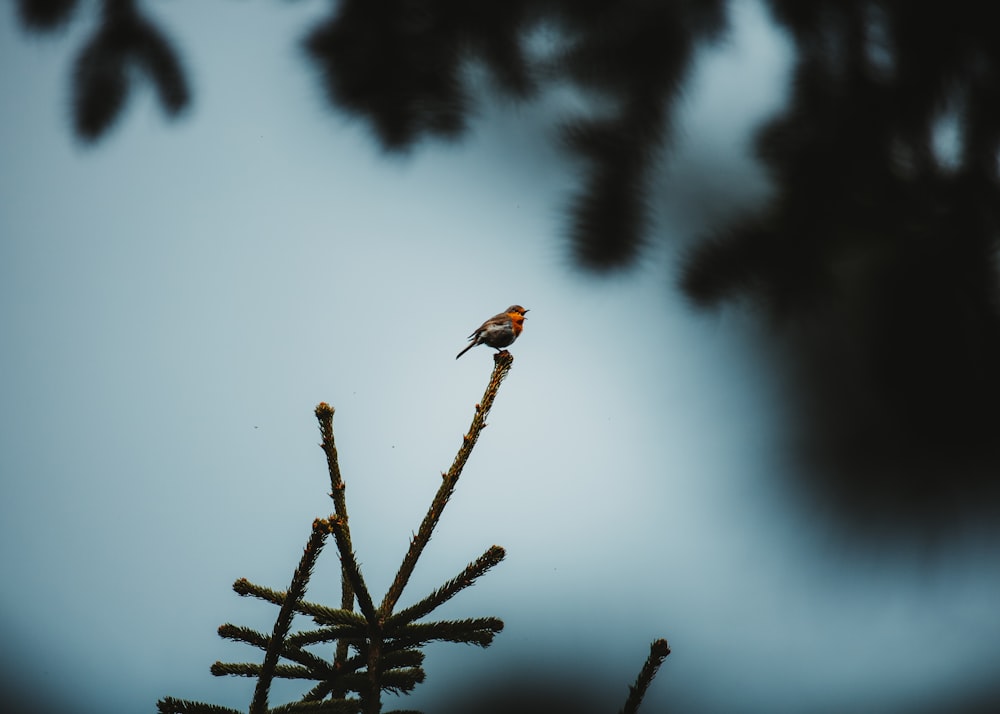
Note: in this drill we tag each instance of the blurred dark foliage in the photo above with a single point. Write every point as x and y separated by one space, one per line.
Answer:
539 690
124 43
877 259
24 692
399 64
44 14
875 263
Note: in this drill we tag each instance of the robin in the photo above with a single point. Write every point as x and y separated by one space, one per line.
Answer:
499 331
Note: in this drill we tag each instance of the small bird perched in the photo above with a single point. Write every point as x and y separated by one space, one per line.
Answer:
499 331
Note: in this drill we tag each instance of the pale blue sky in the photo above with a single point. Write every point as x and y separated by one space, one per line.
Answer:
175 300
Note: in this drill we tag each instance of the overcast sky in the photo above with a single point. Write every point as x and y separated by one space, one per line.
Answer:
175 300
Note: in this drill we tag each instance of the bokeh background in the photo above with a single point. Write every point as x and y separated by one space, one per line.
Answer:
176 297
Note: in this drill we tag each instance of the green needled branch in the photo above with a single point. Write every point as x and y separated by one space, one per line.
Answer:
351 571
182 706
444 593
324 414
658 652
284 621
375 651
244 587
503 362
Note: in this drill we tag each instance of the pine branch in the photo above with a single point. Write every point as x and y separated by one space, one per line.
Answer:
327 634
284 621
387 658
169 705
474 631
402 681
247 589
244 634
467 577
323 615
403 658
352 571
658 652
322 690
249 669
503 362
290 650
372 699
327 706
324 414
234 669
350 682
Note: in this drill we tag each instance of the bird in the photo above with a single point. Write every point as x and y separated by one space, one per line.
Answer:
499 331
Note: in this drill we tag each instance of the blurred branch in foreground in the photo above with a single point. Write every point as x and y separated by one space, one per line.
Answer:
877 262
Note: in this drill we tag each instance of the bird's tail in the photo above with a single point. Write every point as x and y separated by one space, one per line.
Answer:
468 347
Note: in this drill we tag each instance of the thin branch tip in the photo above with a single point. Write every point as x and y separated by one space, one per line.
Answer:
324 410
